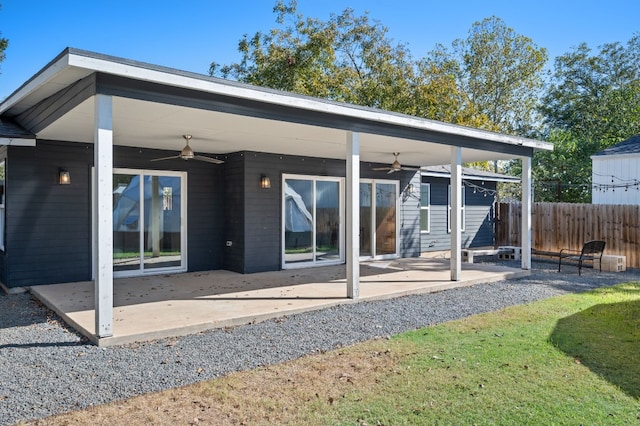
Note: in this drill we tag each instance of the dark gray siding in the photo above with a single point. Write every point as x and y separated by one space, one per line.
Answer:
3 156
479 216
262 208
48 236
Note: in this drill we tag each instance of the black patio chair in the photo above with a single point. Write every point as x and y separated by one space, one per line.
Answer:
591 250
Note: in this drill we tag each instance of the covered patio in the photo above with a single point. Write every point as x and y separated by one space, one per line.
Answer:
161 306
101 117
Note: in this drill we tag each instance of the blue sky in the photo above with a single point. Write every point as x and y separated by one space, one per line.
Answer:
189 34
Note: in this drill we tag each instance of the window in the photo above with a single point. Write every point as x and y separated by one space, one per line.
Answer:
312 223
425 207
462 209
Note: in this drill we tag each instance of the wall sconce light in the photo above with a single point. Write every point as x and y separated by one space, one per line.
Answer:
265 182
64 177
409 189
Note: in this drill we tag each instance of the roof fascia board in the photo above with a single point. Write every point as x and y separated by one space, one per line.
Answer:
145 72
52 108
53 68
615 156
113 85
471 177
18 141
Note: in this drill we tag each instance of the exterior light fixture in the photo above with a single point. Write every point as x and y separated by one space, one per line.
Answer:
265 182
64 178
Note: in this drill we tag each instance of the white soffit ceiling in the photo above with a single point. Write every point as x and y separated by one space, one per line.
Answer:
155 125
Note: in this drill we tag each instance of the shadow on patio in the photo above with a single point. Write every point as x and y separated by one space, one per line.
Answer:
159 306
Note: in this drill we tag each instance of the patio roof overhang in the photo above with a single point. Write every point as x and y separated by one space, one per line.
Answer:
153 106
87 97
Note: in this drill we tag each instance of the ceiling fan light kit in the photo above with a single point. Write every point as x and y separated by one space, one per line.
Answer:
188 154
395 166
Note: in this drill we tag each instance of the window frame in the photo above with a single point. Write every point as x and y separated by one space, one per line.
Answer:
462 208
425 207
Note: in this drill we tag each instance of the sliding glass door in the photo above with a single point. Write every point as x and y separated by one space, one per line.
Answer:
378 219
148 222
312 221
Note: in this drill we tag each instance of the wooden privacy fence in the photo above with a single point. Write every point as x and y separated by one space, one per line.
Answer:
555 226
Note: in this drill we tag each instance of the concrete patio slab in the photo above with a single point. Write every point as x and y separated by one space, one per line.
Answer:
159 306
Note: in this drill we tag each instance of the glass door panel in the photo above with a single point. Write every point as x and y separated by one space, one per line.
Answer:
126 222
298 220
162 225
328 221
385 219
366 249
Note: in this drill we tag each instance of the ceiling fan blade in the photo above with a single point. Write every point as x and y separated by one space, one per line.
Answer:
379 169
208 159
410 168
391 171
166 158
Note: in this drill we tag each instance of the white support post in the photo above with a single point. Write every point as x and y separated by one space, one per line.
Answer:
103 208
353 215
456 220
527 201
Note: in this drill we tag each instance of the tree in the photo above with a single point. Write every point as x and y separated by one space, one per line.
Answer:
596 96
499 71
4 43
347 58
593 102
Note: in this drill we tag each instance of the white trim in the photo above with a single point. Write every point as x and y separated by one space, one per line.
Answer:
79 61
427 208
341 231
471 177
103 187
353 214
18 141
527 197
141 271
373 182
456 203
39 80
463 210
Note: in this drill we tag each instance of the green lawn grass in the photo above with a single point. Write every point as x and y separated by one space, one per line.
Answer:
569 360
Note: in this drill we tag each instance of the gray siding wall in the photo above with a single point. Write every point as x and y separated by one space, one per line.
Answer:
479 217
3 257
48 238
257 244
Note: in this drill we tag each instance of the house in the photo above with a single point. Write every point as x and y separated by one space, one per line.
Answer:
479 191
616 173
96 185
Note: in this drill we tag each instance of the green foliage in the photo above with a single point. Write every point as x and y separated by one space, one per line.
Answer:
500 73
347 58
4 43
592 104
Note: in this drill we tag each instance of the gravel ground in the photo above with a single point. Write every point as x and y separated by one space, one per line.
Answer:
46 368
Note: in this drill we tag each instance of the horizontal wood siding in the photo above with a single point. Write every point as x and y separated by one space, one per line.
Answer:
49 225
3 257
234 211
479 217
205 205
410 216
263 207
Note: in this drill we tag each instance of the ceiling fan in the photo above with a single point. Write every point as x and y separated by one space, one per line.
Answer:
395 166
188 154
